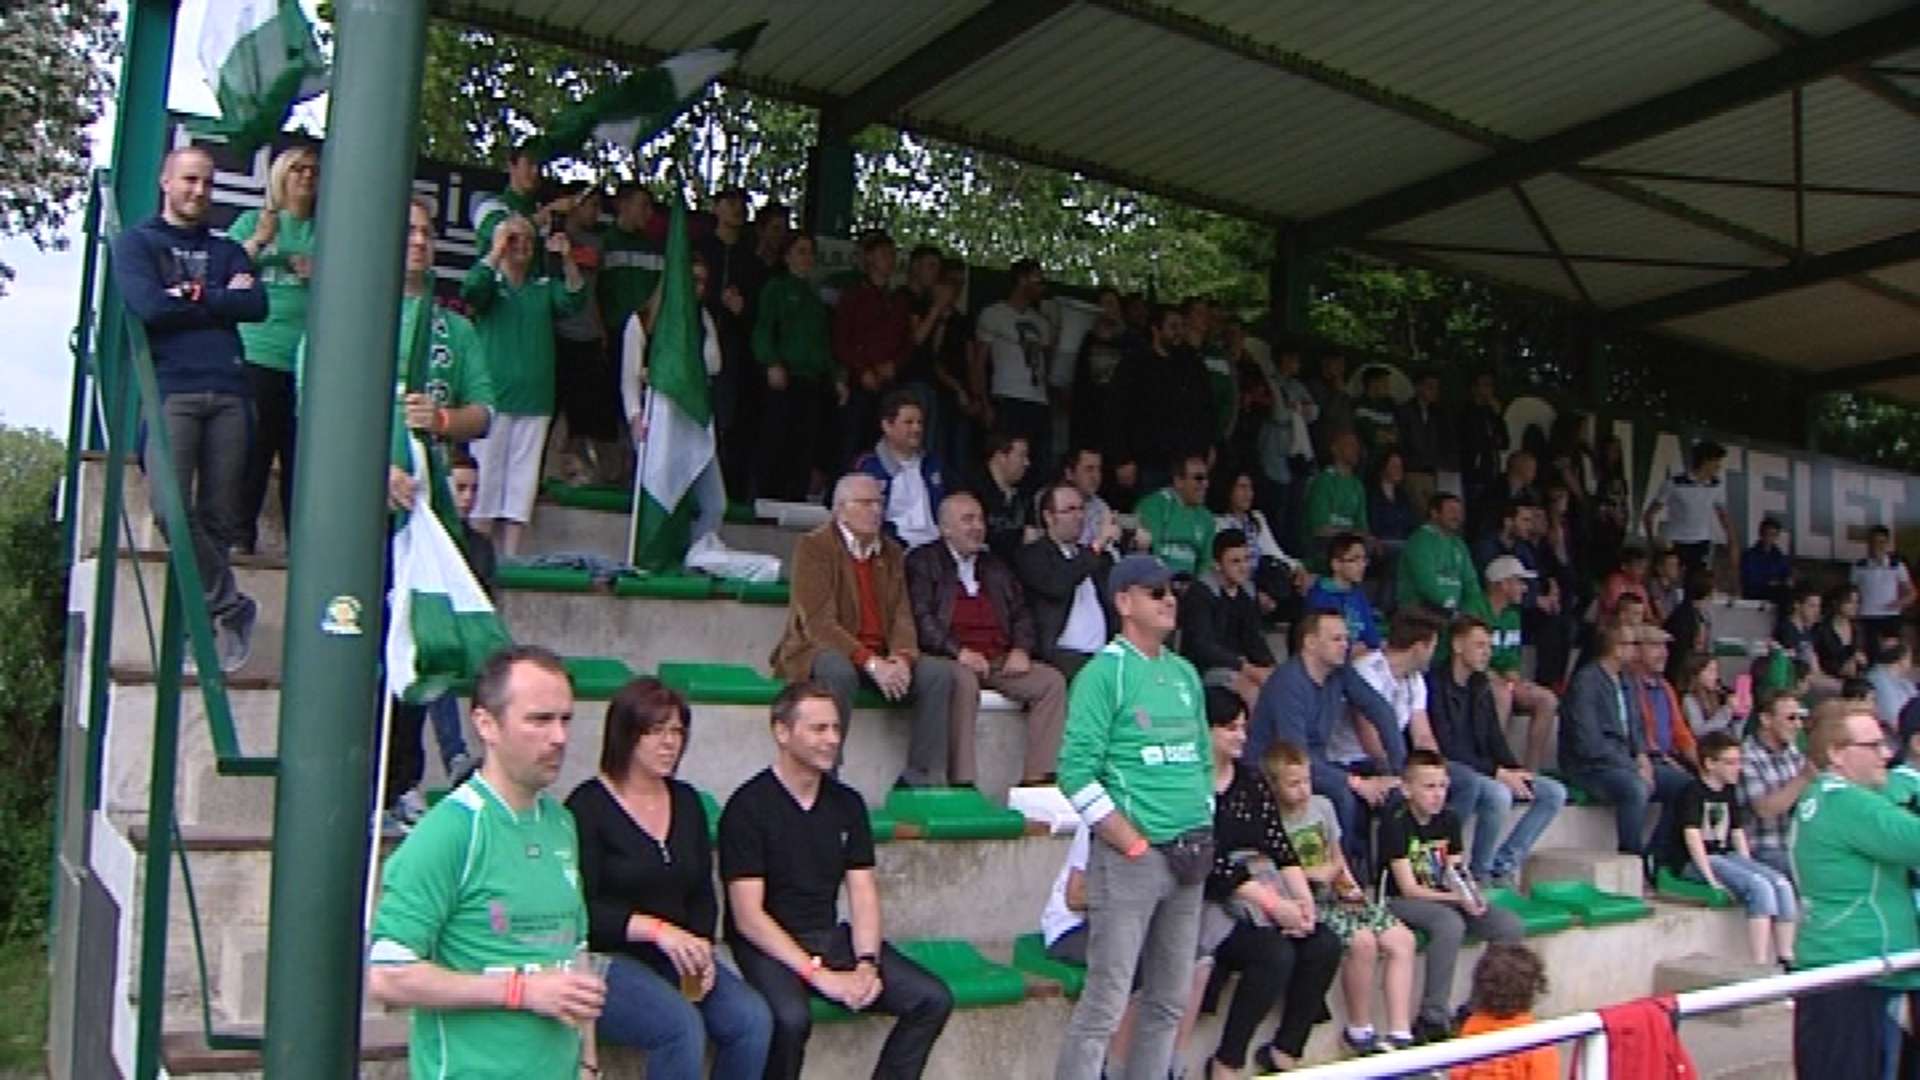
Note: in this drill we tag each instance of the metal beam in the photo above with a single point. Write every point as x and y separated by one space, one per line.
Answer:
1857 375
1553 245
1764 283
1781 33
1710 97
321 806
1786 187
966 43
1576 257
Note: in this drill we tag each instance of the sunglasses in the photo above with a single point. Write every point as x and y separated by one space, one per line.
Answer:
1156 592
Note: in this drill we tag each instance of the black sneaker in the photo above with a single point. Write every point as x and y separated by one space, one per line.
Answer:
1429 1031
1361 1047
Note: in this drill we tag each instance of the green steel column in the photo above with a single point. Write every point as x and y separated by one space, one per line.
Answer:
1287 288
335 590
830 184
1599 381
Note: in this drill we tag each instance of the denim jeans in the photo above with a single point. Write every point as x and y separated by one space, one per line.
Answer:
710 494
444 714
644 1010
1765 892
1138 917
209 435
1477 796
1628 794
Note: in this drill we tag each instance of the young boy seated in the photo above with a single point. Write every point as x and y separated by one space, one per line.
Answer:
1712 848
1429 890
1366 929
1506 982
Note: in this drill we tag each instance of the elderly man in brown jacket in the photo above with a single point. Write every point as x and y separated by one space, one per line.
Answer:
848 617
968 606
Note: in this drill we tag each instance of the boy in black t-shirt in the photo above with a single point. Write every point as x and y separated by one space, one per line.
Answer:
1710 846
789 839
1428 888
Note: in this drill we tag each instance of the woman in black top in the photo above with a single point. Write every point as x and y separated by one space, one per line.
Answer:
1837 640
646 865
1260 918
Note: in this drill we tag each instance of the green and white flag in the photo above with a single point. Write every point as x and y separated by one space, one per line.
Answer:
636 109
261 60
678 416
441 627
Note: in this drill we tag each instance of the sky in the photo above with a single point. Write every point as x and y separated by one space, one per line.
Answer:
38 312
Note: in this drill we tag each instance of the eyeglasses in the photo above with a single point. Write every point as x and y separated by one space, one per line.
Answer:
1198 478
1156 592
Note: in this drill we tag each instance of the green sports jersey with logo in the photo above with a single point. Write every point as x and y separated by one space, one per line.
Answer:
1507 640
271 342
1136 742
479 888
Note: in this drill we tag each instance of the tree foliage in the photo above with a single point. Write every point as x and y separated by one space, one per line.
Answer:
54 82
33 609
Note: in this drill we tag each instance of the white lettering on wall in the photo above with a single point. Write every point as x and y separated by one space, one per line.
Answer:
1849 515
1767 476
1807 543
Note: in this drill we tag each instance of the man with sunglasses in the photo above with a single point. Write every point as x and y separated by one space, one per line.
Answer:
1135 764
1177 518
1852 848
1773 774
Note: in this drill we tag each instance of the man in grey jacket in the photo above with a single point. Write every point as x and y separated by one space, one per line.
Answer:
1603 745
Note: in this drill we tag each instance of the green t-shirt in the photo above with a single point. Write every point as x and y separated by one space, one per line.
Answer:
630 269
273 342
1437 570
1136 741
1182 534
792 330
1335 502
515 328
1506 638
479 888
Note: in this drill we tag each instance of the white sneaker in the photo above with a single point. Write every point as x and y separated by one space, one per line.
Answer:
411 807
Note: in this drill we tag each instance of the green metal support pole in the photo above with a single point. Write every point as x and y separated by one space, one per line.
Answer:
331 686
1599 380
1287 289
830 184
160 821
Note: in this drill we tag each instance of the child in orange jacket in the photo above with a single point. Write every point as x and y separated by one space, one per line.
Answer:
1506 983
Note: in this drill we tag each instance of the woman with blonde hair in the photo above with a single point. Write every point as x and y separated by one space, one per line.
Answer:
278 237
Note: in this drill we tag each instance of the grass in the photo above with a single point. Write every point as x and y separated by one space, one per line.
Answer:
23 1030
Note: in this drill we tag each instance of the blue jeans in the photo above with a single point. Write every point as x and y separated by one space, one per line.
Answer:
444 714
1766 892
646 1011
1628 794
1474 794
710 494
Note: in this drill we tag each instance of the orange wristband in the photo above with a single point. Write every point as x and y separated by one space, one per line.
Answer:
1137 848
441 421
516 990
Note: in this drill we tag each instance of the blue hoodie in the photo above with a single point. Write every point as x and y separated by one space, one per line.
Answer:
196 346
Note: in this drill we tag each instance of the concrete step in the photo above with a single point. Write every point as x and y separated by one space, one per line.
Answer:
1702 971
1610 871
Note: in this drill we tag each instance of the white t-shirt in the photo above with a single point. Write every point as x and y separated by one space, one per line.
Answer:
1058 918
1690 506
1407 696
1017 344
1879 584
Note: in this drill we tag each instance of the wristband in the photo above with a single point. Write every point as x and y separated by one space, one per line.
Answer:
812 974
516 990
441 421
1136 849
650 929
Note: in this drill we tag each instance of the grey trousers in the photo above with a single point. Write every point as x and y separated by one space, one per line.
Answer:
1137 917
931 697
209 435
1447 927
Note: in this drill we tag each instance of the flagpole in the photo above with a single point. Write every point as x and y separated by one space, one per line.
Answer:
640 474
379 798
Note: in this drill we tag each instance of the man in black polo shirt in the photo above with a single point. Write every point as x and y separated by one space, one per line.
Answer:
790 837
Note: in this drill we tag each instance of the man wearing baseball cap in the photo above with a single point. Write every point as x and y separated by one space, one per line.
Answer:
1135 764
1506 592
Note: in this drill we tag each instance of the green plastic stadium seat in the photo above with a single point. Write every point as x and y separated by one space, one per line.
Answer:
741 513
665 586
1576 795
711 806
1592 906
596 678
976 982
719 684
771 593
610 498
1030 956
1536 917
543 578
885 827
955 814
1674 887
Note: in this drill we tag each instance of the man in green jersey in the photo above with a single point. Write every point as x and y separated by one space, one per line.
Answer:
481 920
1336 502
1852 848
1178 519
1436 569
523 188
1135 764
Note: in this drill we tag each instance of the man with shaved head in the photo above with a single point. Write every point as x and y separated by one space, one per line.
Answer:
848 620
191 288
967 606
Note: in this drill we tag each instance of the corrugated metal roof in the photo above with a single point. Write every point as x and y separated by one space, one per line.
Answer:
1291 112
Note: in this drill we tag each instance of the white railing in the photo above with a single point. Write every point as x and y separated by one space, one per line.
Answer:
1586 1026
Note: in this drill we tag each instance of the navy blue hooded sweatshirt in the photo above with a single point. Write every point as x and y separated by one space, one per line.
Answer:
196 348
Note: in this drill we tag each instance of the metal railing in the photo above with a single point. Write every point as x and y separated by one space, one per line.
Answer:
128 402
1590 1032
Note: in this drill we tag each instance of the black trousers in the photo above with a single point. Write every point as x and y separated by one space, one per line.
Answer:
918 1002
786 442
274 429
1275 969
1847 1032
406 763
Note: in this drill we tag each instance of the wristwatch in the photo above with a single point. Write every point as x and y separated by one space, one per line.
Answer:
867 958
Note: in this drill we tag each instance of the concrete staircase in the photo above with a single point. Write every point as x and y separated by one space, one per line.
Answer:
985 891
